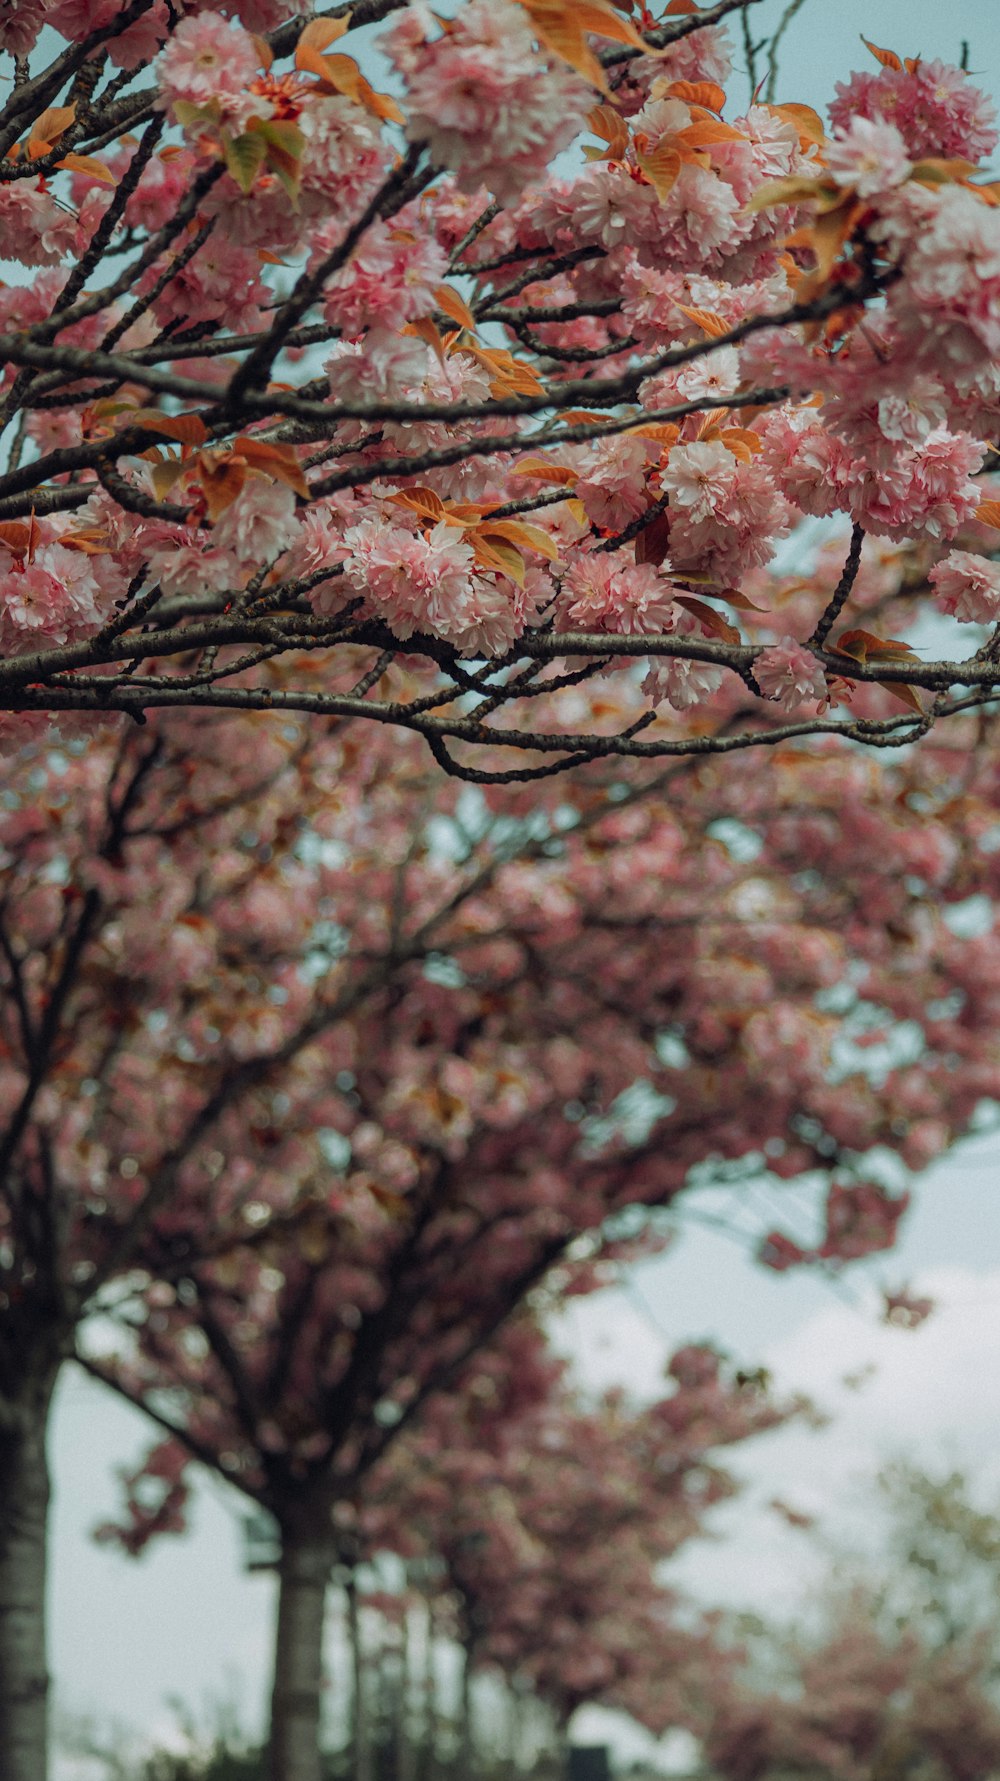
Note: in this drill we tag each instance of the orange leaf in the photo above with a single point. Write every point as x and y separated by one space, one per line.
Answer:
795 188
575 417
221 476
988 514
679 6
905 694
499 556
87 164
741 442
452 304
319 34
16 535
698 92
661 165
705 131
163 476
340 74
887 57
864 646
90 541
561 24
265 53
612 128
935 170
52 123
706 319
278 461
543 471
742 602
426 502
808 122
710 620
666 433
830 231
516 532
188 429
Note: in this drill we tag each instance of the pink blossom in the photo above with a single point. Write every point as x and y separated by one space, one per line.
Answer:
699 477
20 23
207 59
52 599
191 569
388 281
259 524
936 109
162 184
318 544
387 365
482 98
788 673
222 280
967 587
681 682
601 593
34 228
345 157
869 156
613 486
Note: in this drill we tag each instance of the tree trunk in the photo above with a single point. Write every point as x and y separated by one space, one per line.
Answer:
297 1697
24 1503
361 1750
404 1730
466 1717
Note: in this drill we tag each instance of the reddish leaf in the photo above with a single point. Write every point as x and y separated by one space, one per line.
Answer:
887 57
711 621
653 542
426 502
187 429
452 304
698 92
544 471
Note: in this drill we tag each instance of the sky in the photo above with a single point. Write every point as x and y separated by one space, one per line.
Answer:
184 1621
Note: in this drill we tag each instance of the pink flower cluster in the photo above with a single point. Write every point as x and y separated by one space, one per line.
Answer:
54 595
480 96
936 109
789 674
429 582
967 587
389 280
726 515
211 62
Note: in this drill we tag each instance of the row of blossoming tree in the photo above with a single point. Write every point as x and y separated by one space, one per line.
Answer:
317 1064
514 374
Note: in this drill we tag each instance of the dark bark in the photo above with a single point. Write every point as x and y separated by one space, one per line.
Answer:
24 1503
361 1750
297 1697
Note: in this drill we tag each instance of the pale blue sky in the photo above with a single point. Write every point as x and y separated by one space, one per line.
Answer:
184 1621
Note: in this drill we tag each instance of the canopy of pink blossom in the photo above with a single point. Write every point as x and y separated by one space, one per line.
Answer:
513 376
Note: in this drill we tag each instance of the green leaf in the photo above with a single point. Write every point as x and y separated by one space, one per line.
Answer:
244 157
285 146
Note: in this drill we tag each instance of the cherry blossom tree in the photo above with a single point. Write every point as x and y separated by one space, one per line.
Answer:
552 1517
303 1038
511 365
900 1676
315 1070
